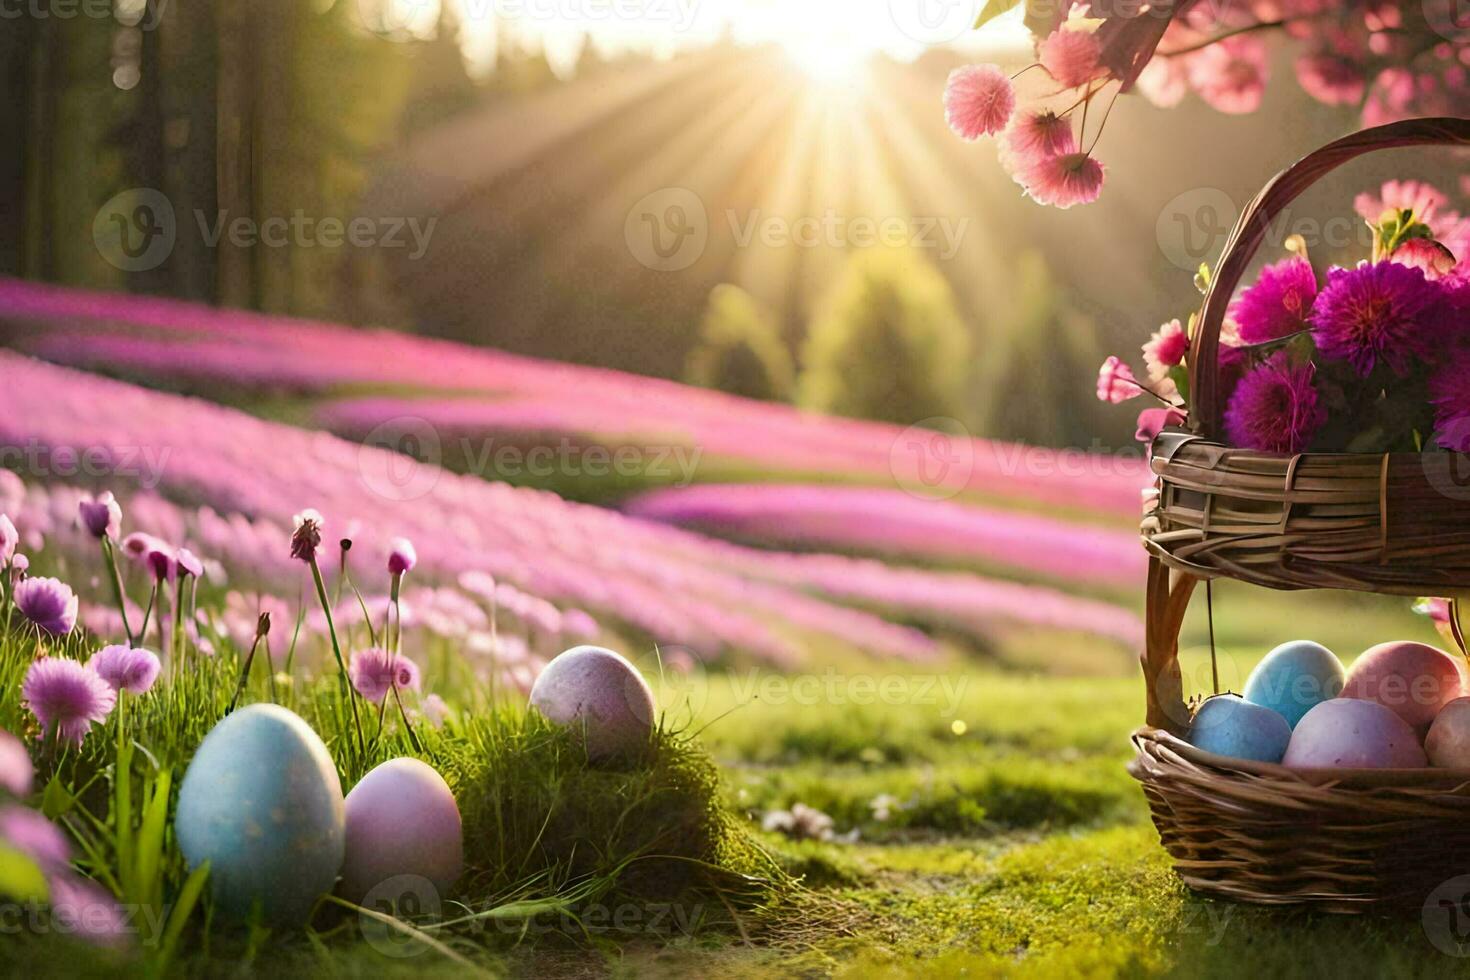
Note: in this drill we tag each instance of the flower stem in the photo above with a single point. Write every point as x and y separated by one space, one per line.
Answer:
412 735
109 556
321 594
244 674
148 613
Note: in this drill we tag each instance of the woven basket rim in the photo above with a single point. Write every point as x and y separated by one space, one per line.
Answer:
1448 780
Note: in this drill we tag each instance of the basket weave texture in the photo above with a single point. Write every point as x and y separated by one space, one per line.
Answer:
1340 840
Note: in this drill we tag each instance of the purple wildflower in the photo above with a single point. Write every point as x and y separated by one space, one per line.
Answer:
16 772
49 603
1383 311
102 516
189 563
1275 407
161 561
9 538
126 668
1278 304
1449 389
19 565
401 556
376 671
306 535
84 908
34 836
66 696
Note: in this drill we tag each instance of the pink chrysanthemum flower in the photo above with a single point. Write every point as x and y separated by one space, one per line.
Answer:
1164 82
1035 135
1423 199
1165 350
16 771
130 669
1070 56
401 556
1449 389
66 697
34 836
1279 302
49 603
375 672
9 538
1429 257
1378 312
102 516
1116 383
1062 181
1331 78
978 101
1275 408
1230 75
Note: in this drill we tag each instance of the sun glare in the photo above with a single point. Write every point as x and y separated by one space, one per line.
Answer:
827 62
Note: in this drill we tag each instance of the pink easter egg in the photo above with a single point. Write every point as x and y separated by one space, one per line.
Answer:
1448 743
1414 679
1345 733
600 694
401 820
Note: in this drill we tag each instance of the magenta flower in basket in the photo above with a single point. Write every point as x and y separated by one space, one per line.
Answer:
1374 357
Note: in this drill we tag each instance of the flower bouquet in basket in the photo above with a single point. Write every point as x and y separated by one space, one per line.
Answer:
1309 431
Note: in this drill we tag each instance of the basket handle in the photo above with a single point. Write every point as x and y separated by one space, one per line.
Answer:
1256 220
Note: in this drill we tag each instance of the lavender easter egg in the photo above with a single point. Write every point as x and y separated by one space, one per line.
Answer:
262 804
1294 678
1448 742
1414 679
401 820
1352 733
1228 725
600 694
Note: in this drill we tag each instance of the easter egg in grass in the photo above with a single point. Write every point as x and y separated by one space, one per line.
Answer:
1226 724
1294 678
1415 680
401 820
1353 733
261 802
600 694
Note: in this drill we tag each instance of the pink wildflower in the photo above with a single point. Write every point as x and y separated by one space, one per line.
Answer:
66 697
978 101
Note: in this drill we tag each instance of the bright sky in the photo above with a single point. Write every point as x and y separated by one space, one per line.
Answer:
829 38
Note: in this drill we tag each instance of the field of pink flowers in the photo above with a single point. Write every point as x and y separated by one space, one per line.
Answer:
226 485
358 380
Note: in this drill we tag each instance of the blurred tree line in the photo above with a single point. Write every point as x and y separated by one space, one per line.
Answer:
889 344
241 110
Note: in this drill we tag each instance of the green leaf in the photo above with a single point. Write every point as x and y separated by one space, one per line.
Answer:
1179 374
57 799
148 854
183 908
993 9
20 878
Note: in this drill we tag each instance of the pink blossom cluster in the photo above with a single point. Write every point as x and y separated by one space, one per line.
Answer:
1372 358
895 523
1393 60
175 344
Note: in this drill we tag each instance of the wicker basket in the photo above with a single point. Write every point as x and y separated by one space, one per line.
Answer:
1339 840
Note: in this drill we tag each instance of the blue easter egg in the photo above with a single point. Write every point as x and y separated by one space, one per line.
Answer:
1295 678
262 803
1227 725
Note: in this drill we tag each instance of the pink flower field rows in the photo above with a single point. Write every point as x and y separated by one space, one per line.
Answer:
238 480
892 522
476 391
